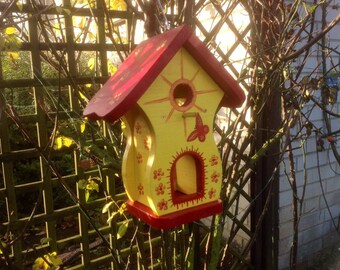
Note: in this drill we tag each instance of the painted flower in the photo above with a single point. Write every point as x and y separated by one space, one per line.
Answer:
212 193
214 177
141 189
213 160
160 189
139 158
162 205
147 143
158 174
138 128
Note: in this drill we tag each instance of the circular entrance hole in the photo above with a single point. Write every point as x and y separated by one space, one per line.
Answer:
183 94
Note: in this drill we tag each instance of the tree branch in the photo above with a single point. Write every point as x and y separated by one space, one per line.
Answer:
313 41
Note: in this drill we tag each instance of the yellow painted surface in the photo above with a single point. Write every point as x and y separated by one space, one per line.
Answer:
185 177
167 121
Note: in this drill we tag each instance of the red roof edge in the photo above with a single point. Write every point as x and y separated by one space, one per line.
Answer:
182 36
177 36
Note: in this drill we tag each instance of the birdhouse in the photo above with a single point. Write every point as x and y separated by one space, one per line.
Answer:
167 93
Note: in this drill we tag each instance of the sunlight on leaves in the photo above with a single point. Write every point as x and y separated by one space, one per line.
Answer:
3 244
89 185
122 229
50 261
111 68
62 141
13 55
10 30
122 209
91 3
111 217
19 5
107 207
117 5
92 184
57 28
9 40
83 126
87 195
83 97
91 63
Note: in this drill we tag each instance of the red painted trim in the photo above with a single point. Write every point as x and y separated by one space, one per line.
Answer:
178 197
136 74
144 64
174 219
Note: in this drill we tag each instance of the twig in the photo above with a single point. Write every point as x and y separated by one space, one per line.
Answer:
319 36
73 196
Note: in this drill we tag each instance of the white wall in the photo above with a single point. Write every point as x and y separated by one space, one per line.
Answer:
322 178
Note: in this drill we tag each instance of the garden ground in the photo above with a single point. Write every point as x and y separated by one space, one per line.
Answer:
327 259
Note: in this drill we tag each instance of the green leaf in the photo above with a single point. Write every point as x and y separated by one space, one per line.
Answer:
10 30
87 195
83 97
305 80
40 264
111 68
92 185
45 240
91 63
118 5
54 259
3 245
82 184
82 127
122 209
13 55
62 141
122 229
107 207
67 11
312 8
59 10
12 43
19 5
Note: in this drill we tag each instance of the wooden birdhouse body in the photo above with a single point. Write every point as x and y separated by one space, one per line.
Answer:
171 169
174 167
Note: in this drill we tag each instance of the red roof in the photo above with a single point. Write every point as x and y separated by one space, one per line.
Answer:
146 62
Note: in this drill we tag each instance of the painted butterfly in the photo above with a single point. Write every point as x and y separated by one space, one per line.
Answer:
200 130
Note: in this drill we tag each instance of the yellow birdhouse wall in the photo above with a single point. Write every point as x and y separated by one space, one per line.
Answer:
171 161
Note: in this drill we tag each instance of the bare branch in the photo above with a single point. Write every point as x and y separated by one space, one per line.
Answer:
313 41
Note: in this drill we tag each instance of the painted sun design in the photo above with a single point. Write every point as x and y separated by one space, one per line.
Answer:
183 92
